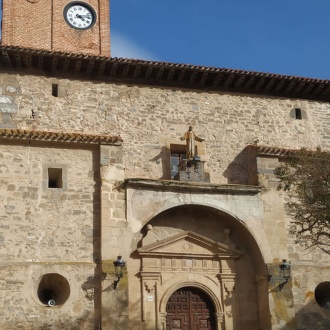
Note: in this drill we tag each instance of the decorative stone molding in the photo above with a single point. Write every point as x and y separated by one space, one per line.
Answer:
187 259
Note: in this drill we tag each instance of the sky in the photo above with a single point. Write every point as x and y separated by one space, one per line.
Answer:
289 37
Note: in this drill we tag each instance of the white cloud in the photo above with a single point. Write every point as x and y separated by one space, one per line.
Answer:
121 46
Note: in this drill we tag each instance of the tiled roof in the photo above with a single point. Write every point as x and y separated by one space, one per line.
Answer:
273 151
151 73
19 134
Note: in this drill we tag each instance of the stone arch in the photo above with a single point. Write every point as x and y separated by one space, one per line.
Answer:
256 278
168 293
140 212
215 308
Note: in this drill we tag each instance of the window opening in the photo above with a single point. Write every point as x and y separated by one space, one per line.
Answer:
55 90
178 153
55 178
298 113
322 294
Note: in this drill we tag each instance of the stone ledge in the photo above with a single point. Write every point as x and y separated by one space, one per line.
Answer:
200 187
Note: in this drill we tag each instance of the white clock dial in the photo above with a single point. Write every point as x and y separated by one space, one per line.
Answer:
79 15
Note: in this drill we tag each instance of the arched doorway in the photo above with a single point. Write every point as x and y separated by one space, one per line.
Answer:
190 308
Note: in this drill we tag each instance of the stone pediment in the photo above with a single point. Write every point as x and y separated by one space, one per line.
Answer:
188 244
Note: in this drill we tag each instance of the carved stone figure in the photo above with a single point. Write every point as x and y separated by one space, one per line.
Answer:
190 138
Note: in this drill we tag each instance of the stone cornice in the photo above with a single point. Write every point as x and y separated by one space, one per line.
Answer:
160 74
46 136
173 185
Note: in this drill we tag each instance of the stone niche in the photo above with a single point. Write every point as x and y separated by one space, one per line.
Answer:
185 259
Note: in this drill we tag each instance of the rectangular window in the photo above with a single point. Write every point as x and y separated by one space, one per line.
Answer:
55 90
298 113
55 178
178 153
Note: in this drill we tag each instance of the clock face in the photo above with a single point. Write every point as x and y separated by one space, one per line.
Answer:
79 15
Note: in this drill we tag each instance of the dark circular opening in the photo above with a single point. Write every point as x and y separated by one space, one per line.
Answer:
322 294
53 288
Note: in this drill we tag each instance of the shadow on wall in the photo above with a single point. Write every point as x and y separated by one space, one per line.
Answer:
163 157
310 317
243 169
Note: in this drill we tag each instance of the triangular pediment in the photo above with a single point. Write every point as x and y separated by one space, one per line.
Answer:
188 244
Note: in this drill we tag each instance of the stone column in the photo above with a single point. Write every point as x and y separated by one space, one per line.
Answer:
149 281
161 324
227 279
220 321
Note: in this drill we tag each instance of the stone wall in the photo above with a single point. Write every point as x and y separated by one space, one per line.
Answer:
147 118
47 231
58 231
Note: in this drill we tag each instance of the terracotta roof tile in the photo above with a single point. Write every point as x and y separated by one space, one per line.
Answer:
74 137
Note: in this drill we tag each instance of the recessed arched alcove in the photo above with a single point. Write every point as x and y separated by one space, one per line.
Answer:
211 223
220 227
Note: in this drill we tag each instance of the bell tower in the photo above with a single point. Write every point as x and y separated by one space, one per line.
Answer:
57 25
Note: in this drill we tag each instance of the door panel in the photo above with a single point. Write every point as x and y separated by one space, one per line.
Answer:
189 309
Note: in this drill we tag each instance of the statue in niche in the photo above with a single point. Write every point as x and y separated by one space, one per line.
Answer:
190 138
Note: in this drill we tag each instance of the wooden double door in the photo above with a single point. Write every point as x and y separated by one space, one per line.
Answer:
190 309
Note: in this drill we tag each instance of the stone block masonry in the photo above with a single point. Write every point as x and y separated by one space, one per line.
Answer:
147 117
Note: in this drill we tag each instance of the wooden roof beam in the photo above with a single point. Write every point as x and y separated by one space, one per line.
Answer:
217 80
181 75
101 68
5 55
309 88
289 88
18 60
137 71
239 81
204 78
40 62
229 80
77 66
160 73
270 84
28 60
54 64
113 70
171 74
148 72
319 89
250 82
326 91
299 87
193 77
90 66
260 83
280 85
125 71
66 64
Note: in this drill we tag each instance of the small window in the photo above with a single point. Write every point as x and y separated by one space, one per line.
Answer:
298 113
55 90
55 178
178 153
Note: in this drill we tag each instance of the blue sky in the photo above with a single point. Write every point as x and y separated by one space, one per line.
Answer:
288 37
284 36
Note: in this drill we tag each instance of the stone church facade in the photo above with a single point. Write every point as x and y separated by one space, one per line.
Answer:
92 167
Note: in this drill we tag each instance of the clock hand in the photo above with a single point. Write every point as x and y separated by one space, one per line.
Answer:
81 17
